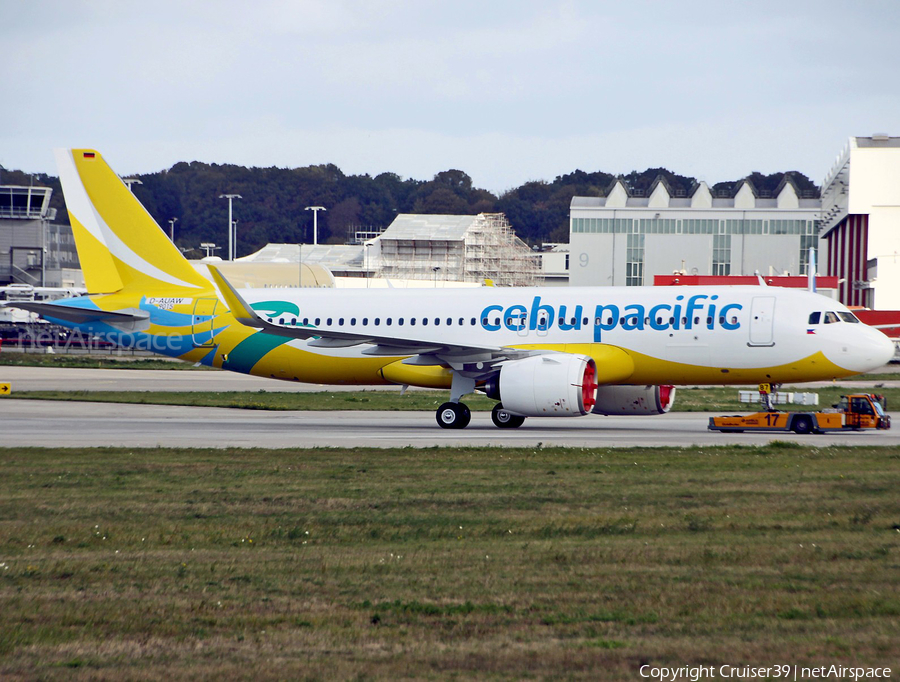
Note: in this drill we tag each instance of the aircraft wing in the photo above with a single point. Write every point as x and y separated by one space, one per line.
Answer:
425 351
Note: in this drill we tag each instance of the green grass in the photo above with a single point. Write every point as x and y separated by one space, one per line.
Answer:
686 399
444 563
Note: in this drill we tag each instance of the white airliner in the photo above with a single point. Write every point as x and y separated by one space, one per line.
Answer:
540 352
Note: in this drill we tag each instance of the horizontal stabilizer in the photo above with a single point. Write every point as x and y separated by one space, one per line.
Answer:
84 315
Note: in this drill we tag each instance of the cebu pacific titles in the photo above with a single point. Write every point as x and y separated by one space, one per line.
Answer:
540 352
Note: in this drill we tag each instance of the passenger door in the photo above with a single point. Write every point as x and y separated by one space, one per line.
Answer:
762 319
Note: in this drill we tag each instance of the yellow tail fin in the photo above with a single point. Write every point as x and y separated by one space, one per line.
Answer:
119 244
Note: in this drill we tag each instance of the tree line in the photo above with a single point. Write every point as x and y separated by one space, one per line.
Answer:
272 208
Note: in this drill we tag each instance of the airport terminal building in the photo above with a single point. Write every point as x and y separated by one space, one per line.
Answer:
627 237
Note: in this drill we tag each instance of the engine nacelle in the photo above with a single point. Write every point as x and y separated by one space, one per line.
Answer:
552 385
628 400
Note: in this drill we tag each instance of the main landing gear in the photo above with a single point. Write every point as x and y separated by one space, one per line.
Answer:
453 416
505 420
456 415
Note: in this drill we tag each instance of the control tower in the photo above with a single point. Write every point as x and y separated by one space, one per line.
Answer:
33 249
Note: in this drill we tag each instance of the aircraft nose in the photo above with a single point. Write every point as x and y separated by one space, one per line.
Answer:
869 349
884 350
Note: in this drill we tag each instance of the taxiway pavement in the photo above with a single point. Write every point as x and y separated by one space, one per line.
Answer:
86 424
90 379
83 424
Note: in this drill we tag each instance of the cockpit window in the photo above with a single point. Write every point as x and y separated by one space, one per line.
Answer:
815 317
831 317
848 317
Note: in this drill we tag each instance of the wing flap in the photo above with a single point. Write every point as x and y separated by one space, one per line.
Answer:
388 350
334 343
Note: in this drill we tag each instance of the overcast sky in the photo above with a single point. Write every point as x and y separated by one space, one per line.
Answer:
506 90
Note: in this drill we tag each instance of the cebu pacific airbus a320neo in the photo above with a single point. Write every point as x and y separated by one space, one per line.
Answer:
540 352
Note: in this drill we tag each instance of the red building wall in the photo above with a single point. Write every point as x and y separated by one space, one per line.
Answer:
847 258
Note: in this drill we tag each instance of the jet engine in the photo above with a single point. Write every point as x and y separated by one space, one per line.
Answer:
552 385
632 400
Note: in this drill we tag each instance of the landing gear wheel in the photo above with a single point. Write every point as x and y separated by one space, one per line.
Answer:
802 425
504 420
466 415
453 416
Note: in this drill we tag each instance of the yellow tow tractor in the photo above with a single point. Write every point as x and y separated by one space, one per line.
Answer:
853 413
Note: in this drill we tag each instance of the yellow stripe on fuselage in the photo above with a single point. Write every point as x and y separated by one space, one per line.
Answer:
650 370
626 367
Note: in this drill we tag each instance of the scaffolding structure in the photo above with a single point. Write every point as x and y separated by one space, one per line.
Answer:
457 248
494 252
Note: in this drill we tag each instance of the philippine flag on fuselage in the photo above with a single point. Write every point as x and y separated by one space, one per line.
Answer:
810 331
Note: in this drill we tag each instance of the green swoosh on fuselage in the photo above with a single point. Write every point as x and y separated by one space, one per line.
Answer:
276 308
248 352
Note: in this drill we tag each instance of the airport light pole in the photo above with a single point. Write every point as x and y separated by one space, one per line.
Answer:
234 231
230 198
315 210
172 222
130 182
209 247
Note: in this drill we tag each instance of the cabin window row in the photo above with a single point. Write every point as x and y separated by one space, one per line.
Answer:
511 322
633 320
377 321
